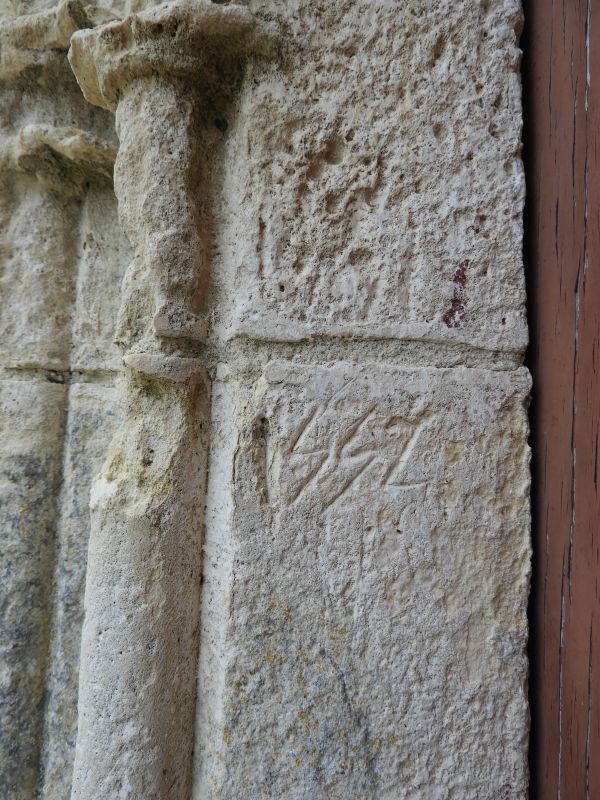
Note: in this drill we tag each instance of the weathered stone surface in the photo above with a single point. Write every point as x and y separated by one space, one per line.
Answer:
51 170
178 39
158 70
31 428
374 181
139 642
92 418
365 581
286 171
103 255
53 148
37 279
56 158
35 39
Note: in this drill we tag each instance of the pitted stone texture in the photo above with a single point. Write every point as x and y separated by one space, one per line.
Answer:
165 290
56 154
374 183
180 38
62 158
93 414
31 430
365 586
63 263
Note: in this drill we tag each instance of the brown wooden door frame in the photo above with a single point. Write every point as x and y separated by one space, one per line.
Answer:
561 82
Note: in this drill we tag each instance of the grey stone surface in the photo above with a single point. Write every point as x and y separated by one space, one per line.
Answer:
365 586
56 160
31 428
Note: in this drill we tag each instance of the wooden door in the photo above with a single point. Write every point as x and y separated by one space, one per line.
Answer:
562 257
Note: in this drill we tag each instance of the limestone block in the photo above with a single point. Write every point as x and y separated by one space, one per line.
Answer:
91 421
50 169
52 147
156 176
31 436
34 39
366 570
62 158
374 183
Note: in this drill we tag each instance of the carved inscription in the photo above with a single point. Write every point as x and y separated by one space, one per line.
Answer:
370 445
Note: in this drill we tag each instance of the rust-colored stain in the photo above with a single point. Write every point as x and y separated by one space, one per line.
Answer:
562 253
457 311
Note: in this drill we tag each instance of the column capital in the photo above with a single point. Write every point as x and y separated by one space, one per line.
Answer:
178 39
60 158
159 70
37 39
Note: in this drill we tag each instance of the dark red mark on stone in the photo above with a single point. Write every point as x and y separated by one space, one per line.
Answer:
456 313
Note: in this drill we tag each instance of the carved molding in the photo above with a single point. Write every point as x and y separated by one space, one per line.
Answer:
193 40
37 39
61 158
137 685
46 169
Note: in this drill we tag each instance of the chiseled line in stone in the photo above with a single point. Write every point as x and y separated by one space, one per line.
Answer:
248 355
104 377
276 653
157 70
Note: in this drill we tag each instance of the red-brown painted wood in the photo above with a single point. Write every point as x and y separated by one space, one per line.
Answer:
562 256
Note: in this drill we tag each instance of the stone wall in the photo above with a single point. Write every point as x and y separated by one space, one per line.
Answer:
272 414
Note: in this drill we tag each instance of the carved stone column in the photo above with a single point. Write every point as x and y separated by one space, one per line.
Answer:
139 644
50 168
46 169
163 71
